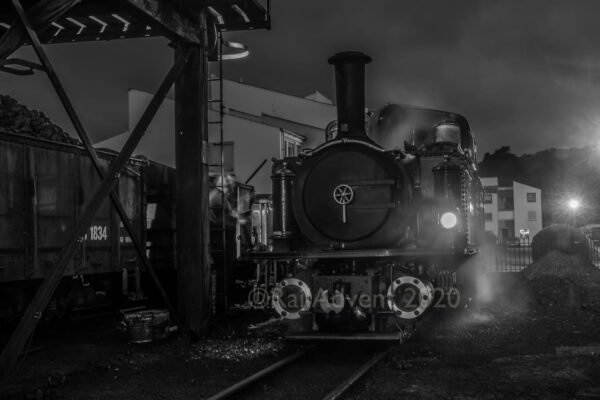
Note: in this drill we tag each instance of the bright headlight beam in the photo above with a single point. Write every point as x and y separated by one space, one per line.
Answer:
448 220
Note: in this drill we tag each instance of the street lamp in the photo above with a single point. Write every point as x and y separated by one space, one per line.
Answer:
573 204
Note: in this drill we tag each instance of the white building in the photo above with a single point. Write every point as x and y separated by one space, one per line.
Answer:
259 124
512 212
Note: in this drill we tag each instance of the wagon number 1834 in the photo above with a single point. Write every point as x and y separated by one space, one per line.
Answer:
97 232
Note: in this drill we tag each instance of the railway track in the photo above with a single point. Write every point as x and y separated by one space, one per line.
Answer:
319 372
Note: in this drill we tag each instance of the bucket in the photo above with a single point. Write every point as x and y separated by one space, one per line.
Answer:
148 325
160 324
139 326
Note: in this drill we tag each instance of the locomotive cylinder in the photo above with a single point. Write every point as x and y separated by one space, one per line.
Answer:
284 224
350 93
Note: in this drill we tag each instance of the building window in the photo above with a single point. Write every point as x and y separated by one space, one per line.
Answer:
291 149
531 198
531 216
489 217
488 198
290 144
506 229
505 201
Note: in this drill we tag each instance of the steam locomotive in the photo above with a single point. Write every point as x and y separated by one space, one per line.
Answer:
370 230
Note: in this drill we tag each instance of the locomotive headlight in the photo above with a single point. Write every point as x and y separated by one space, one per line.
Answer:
448 220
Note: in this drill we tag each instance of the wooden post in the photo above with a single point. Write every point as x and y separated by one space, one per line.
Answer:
192 218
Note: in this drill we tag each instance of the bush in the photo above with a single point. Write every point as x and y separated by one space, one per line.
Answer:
564 238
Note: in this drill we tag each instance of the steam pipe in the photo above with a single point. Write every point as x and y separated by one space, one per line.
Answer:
350 93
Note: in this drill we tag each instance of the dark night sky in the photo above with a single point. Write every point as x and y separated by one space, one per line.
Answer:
525 73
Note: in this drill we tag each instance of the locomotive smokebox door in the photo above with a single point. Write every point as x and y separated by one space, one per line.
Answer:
351 196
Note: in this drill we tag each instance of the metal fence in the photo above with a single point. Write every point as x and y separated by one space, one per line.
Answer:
592 247
513 256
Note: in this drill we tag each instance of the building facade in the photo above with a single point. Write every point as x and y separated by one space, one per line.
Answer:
512 213
258 125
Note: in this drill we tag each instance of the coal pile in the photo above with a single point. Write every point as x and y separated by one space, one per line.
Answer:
561 279
565 238
16 118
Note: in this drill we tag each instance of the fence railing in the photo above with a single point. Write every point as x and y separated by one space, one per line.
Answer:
592 247
513 256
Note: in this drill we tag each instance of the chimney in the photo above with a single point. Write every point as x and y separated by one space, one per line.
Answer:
350 93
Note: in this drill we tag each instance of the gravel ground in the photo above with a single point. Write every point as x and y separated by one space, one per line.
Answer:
516 345
511 348
97 363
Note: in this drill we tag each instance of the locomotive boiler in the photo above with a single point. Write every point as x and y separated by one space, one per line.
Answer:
370 229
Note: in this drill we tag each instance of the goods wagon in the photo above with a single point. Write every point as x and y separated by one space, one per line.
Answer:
44 188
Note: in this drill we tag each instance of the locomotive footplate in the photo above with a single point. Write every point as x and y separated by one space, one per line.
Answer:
330 254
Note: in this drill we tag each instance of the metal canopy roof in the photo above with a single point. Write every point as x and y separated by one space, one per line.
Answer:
92 20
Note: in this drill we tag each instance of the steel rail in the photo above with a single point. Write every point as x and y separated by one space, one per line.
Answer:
333 395
366 367
257 376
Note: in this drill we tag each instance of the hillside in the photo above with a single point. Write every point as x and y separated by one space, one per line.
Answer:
560 174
